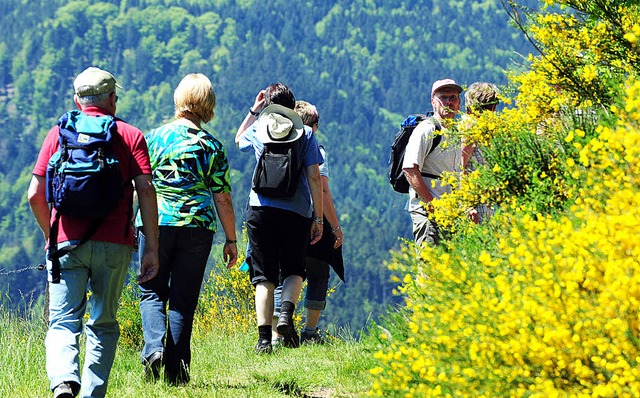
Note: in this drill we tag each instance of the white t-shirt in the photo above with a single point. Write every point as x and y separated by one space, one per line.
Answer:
446 157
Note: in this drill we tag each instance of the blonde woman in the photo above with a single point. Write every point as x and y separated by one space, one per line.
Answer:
191 177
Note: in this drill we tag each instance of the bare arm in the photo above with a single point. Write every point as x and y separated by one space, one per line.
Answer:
149 212
315 186
224 208
417 183
38 203
330 213
250 118
467 151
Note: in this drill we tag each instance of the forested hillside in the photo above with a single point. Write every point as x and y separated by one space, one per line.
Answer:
364 63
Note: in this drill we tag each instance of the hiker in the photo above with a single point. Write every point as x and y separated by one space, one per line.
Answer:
319 257
479 97
419 161
191 177
280 228
104 259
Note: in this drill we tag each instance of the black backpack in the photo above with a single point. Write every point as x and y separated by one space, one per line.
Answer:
396 175
83 177
278 171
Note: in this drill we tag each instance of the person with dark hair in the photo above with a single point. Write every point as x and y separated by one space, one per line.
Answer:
191 176
280 228
100 263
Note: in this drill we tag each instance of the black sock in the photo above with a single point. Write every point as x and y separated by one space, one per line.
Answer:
287 307
264 332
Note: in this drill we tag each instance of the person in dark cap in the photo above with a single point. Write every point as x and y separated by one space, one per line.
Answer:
281 228
424 167
101 262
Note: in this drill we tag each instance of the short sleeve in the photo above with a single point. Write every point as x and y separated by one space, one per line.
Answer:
49 147
418 146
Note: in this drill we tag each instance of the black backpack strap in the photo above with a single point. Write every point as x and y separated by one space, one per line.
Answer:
435 177
55 253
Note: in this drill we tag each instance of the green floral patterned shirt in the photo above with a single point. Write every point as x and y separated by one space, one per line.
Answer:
189 166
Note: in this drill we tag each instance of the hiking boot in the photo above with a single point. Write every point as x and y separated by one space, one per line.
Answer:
152 366
64 390
263 346
314 337
287 331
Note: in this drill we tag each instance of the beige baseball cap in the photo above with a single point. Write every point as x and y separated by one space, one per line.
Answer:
445 83
94 81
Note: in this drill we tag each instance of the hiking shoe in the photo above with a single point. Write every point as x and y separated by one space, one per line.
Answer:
152 366
288 332
263 346
314 337
63 390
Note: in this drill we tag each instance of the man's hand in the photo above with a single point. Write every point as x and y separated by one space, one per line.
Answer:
149 266
473 215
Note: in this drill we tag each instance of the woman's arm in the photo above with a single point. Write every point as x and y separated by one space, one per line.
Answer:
224 208
330 213
315 186
252 115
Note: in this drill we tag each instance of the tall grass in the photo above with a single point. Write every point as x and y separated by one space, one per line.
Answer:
223 365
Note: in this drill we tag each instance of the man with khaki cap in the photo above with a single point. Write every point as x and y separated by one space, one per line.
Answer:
102 261
424 167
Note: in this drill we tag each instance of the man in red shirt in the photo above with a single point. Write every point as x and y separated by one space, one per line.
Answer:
103 261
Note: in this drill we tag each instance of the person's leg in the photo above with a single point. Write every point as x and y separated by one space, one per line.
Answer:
264 314
277 302
189 261
264 303
424 229
291 288
67 305
315 298
154 295
109 263
291 254
262 230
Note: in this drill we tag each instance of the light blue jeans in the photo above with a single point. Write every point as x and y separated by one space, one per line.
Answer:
102 268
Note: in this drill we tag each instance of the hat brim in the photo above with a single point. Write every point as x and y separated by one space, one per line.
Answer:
262 132
455 86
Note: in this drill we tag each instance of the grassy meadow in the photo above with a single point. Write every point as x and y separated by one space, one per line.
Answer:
223 365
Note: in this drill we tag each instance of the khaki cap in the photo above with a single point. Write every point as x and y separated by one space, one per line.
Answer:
94 81
445 83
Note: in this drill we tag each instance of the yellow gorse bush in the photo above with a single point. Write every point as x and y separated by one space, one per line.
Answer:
553 311
536 303
226 304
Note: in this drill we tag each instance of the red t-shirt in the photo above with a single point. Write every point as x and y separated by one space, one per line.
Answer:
134 161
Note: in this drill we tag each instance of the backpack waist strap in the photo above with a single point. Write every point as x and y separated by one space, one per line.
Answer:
429 175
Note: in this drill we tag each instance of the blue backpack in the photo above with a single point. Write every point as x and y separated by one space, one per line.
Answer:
83 177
